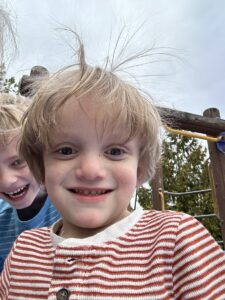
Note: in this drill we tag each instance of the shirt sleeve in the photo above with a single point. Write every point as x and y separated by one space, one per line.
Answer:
5 277
199 263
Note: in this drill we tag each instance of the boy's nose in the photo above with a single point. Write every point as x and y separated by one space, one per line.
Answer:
90 168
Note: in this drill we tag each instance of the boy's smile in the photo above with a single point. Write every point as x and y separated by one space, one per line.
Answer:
19 192
17 185
89 176
89 195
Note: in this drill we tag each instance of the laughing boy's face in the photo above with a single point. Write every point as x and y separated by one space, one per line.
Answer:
17 185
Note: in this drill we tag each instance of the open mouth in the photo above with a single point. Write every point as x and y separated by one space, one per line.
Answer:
87 192
17 193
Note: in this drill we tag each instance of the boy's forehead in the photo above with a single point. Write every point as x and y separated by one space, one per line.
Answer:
9 140
85 103
94 110
106 132
106 118
93 106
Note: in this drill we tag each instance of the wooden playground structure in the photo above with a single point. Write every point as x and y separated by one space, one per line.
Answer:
210 127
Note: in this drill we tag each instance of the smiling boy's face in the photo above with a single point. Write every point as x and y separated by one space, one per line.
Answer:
90 175
17 185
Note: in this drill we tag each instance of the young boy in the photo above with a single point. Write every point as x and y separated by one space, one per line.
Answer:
24 204
91 138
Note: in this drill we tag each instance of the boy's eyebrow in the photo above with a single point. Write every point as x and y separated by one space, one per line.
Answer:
63 138
14 157
63 135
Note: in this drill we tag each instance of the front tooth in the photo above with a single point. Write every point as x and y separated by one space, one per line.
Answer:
17 191
90 192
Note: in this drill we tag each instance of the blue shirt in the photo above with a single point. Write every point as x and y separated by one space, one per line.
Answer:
11 226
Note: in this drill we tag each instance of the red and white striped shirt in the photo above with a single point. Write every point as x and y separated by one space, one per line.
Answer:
148 255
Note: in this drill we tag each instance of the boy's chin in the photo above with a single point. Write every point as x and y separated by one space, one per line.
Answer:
20 204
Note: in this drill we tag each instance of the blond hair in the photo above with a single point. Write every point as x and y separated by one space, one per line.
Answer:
12 109
120 105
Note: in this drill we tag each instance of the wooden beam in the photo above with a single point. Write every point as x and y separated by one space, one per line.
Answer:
192 122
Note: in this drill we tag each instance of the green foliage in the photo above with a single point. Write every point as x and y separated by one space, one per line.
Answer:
144 197
185 168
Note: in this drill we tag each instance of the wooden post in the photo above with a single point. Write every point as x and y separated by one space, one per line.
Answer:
157 189
212 185
218 171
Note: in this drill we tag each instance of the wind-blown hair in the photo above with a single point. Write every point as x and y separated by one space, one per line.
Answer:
12 109
120 106
8 45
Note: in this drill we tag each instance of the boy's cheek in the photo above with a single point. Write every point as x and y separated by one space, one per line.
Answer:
51 170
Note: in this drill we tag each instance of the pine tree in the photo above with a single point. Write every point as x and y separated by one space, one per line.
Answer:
185 168
144 197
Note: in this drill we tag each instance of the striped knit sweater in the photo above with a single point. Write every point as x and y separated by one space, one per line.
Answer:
148 255
11 226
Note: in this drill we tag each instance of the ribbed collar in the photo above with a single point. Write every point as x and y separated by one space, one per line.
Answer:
108 234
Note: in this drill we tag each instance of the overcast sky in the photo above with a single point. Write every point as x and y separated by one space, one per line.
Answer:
193 31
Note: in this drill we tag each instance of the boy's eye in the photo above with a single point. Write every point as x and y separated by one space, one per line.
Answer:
66 151
18 162
115 151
